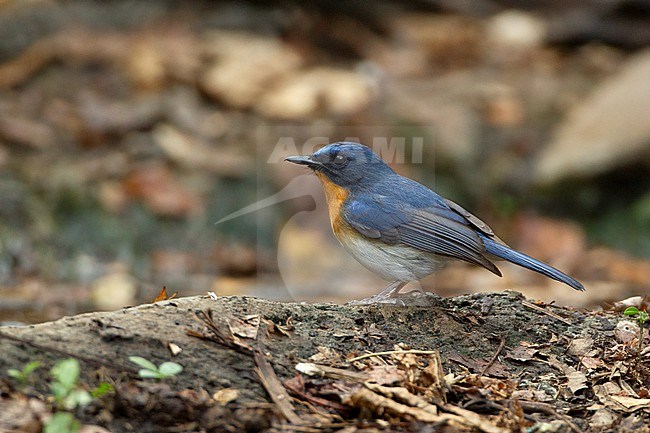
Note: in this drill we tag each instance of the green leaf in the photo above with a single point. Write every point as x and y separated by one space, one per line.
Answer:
76 398
23 375
144 363
29 368
16 374
83 397
59 391
69 402
169 369
102 389
149 374
61 422
66 372
631 311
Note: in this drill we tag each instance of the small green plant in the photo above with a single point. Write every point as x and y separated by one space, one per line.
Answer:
67 395
640 316
150 371
61 422
24 375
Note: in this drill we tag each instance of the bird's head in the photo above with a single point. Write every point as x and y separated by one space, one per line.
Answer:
345 164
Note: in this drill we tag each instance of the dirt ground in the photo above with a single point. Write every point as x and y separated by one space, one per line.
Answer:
484 362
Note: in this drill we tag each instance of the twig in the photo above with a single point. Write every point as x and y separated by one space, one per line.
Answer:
368 399
289 428
547 312
549 409
471 418
502 343
319 428
391 352
219 334
312 399
274 388
311 369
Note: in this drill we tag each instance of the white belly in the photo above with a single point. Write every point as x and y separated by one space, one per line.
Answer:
392 262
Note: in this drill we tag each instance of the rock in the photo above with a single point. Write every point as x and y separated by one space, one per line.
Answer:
146 64
114 290
264 74
516 29
336 91
245 65
608 129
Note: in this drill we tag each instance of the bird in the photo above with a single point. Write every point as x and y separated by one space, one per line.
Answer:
398 228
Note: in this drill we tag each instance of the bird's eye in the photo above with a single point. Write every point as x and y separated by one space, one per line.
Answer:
340 160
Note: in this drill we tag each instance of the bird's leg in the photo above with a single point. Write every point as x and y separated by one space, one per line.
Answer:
392 290
391 295
386 296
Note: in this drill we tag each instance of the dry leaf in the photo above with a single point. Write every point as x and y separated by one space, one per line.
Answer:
631 404
602 419
576 379
326 355
522 353
246 328
591 362
386 374
580 346
274 328
609 394
531 395
162 295
225 396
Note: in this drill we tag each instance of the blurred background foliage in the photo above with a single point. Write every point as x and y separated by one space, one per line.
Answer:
128 128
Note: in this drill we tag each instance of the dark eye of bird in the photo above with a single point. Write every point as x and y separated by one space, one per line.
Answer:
340 159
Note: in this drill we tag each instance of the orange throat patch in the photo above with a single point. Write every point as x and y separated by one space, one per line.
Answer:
335 196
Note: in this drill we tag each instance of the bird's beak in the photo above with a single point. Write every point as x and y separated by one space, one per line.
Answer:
303 160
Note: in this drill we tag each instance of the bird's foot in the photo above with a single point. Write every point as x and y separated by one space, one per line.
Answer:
414 298
377 299
387 296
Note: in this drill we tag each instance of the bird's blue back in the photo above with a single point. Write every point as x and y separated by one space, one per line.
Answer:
379 205
390 200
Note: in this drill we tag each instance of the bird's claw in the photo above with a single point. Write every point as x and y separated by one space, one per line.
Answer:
415 297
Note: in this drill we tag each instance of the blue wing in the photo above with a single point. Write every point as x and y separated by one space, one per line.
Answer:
428 225
424 220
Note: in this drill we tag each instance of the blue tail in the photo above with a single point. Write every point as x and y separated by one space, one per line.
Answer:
528 262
